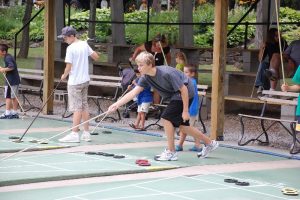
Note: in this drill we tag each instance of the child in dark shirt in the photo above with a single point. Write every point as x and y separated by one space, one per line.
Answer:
12 81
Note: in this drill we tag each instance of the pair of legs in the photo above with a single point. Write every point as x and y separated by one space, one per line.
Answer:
11 104
275 67
78 104
172 117
77 117
261 79
140 120
143 109
186 129
183 137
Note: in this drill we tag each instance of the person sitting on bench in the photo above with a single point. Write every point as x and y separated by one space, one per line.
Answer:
268 49
291 58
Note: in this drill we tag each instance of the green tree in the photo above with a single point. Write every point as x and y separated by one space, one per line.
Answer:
24 46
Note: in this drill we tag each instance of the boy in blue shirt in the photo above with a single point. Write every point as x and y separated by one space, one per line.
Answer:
10 71
191 71
144 99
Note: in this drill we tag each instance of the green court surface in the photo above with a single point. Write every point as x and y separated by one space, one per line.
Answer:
264 185
45 167
45 129
23 124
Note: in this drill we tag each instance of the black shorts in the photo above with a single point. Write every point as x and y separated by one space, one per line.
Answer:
173 113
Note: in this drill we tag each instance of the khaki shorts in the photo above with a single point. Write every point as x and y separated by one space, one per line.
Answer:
144 107
11 92
77 97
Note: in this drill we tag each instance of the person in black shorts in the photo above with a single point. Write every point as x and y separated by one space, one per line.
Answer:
12 82
176 87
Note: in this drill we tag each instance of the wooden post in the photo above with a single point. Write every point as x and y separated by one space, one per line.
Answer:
49 34
218 71
186 16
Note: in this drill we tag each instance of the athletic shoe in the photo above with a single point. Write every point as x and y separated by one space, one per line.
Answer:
4 116
178 148
86 136
196 149
207 149
15 116
167 156
70 138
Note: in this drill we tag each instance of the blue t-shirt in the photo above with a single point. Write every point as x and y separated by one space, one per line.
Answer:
193 109
145 96
13 75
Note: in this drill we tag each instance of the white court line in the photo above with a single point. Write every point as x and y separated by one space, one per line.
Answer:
44 165
277 185
121 163
107 160
239 188
136 157
71 162
168 193
119 187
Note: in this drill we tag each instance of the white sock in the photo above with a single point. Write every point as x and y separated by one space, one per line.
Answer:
7 112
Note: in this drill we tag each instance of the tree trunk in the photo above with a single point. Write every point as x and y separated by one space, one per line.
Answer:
24 46
91 31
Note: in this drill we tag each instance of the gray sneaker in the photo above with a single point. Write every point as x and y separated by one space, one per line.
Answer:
207 149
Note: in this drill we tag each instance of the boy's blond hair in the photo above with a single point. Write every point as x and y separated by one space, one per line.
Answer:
145 57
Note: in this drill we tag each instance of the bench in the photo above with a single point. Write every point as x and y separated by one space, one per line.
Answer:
274 98
99 89
201 93
31 83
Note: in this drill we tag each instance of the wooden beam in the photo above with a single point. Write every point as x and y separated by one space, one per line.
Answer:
219 63
49 34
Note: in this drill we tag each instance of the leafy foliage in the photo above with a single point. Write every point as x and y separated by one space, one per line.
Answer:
11 22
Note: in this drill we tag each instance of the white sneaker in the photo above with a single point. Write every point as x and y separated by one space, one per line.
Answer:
86 136
167 155
73 137
208 148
